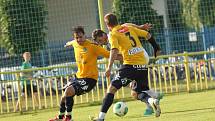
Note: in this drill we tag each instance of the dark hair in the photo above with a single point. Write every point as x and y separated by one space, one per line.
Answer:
78 29
111 19
97 33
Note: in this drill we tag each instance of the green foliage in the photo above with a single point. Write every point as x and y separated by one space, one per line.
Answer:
191 13
138 12
23 25
198 13
207 12
4 34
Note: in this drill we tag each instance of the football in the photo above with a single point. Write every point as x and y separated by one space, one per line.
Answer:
120 109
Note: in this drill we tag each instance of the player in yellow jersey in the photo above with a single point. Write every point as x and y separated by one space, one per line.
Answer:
86 54
101 38
124 40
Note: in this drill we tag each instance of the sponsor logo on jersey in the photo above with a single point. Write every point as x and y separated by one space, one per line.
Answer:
135 50
122 30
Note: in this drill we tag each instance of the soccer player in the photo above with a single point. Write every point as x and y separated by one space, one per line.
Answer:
86 54
25 78
124 40
101 38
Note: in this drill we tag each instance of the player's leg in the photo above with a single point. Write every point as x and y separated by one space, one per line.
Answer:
69 94
149 110
141 87
107 101
69 90
62 107
154 94
61 114
78 87
122 79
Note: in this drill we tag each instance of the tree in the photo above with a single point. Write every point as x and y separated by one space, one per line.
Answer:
198 13
22 25
138 12
207 12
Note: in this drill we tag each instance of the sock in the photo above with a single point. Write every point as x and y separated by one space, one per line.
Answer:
62 110
107 102
152 93
101 115
143 97
69 104
60 116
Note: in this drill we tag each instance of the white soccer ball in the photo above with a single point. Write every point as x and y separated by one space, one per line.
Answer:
120 109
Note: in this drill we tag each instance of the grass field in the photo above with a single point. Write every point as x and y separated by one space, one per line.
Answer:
179 107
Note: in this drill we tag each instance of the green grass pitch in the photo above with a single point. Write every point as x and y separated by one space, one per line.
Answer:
178 107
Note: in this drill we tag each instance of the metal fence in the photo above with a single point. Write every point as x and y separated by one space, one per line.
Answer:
166 75
167 16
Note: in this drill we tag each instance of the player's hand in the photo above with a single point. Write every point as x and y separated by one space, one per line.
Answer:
68 44
146 26
108 72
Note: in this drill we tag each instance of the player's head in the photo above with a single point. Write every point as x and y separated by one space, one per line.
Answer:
78 34
100 37
27 56
110 20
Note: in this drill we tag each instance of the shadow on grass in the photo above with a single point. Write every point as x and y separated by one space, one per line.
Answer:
191 110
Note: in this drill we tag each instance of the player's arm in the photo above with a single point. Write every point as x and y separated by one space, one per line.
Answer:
100 51
68 44
113 56
151 40
146 26
113 53
119 58
156 47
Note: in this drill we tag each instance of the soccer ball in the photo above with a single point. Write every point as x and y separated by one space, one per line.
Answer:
120 109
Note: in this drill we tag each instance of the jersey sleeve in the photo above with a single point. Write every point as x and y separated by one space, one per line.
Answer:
140 33
113 41
100 51
70 43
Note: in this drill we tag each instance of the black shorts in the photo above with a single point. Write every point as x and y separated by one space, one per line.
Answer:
82 85
129 73
28 86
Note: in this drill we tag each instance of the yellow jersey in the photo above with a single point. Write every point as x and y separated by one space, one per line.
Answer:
86 58
126 40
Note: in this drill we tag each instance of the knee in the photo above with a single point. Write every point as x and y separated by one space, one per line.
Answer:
70 91
134 94
63 98
111 89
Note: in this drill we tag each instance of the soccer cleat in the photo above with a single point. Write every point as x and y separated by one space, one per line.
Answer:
67 118
56 119
92 118
155 104
148 112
